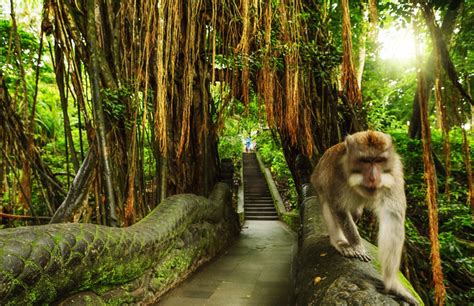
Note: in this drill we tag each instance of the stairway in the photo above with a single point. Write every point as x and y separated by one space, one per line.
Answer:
258 202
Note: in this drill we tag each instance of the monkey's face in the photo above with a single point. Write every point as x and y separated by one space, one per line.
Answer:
369 175
369 163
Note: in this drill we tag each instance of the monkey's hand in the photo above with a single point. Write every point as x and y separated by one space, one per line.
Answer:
354 251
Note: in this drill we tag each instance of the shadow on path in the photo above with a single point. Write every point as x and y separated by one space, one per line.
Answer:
256 270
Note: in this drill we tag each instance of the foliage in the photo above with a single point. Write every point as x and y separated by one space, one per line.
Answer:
230 142
269 147
388 106
28 44
49 125
241 121
456 231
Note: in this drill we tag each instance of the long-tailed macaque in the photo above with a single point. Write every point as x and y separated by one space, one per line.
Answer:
365 172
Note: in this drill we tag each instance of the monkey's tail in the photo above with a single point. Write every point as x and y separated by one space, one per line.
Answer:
390 241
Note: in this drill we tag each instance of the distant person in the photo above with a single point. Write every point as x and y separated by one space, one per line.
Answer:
248 144
253 146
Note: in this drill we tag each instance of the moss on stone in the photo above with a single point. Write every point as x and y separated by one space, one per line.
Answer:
291 219
70 258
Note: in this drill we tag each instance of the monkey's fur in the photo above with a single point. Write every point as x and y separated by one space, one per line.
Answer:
364 171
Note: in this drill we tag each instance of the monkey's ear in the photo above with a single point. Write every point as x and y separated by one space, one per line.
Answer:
349 141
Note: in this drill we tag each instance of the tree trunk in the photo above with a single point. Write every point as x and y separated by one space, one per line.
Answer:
99 117
78 190
62 96
447 29
348 79
430 180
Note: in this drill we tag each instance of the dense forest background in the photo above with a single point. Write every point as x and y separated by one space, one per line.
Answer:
107 107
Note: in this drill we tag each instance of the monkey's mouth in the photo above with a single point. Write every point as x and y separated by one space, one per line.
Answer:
370 190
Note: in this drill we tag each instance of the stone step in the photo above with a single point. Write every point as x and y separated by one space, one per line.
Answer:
258 201
250 186
256 215
262 218
257 209
257 191
263 210
259 206
256 197
255 201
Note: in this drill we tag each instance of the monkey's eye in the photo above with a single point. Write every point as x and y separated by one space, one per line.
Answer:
365 160
380 160
356 171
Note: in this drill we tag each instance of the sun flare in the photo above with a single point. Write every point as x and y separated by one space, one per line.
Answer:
397 44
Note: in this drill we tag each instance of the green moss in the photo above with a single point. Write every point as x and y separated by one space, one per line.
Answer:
292 219
409 286
376 263
123 300
91 257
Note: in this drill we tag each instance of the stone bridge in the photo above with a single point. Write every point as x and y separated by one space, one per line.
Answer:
85 264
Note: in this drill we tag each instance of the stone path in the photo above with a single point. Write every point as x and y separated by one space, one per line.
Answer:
256 270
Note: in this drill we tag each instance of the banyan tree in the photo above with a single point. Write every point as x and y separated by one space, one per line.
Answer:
139 74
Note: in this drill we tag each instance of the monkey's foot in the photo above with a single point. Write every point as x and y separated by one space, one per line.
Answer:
354 251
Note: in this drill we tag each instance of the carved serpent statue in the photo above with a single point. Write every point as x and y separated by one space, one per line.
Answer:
42 264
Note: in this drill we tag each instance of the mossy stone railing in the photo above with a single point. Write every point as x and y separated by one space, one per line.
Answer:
104 265
324 277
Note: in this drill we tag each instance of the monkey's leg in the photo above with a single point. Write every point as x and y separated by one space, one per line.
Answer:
336 237
357 213
354 247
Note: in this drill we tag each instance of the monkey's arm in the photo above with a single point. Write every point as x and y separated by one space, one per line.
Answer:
354 247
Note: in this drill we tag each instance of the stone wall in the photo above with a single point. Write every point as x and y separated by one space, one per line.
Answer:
324 277
92 264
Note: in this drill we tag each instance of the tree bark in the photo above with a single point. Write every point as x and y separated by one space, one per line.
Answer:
78 190
62 96
348 78
430 180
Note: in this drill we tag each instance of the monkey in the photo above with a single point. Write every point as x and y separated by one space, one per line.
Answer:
364 171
